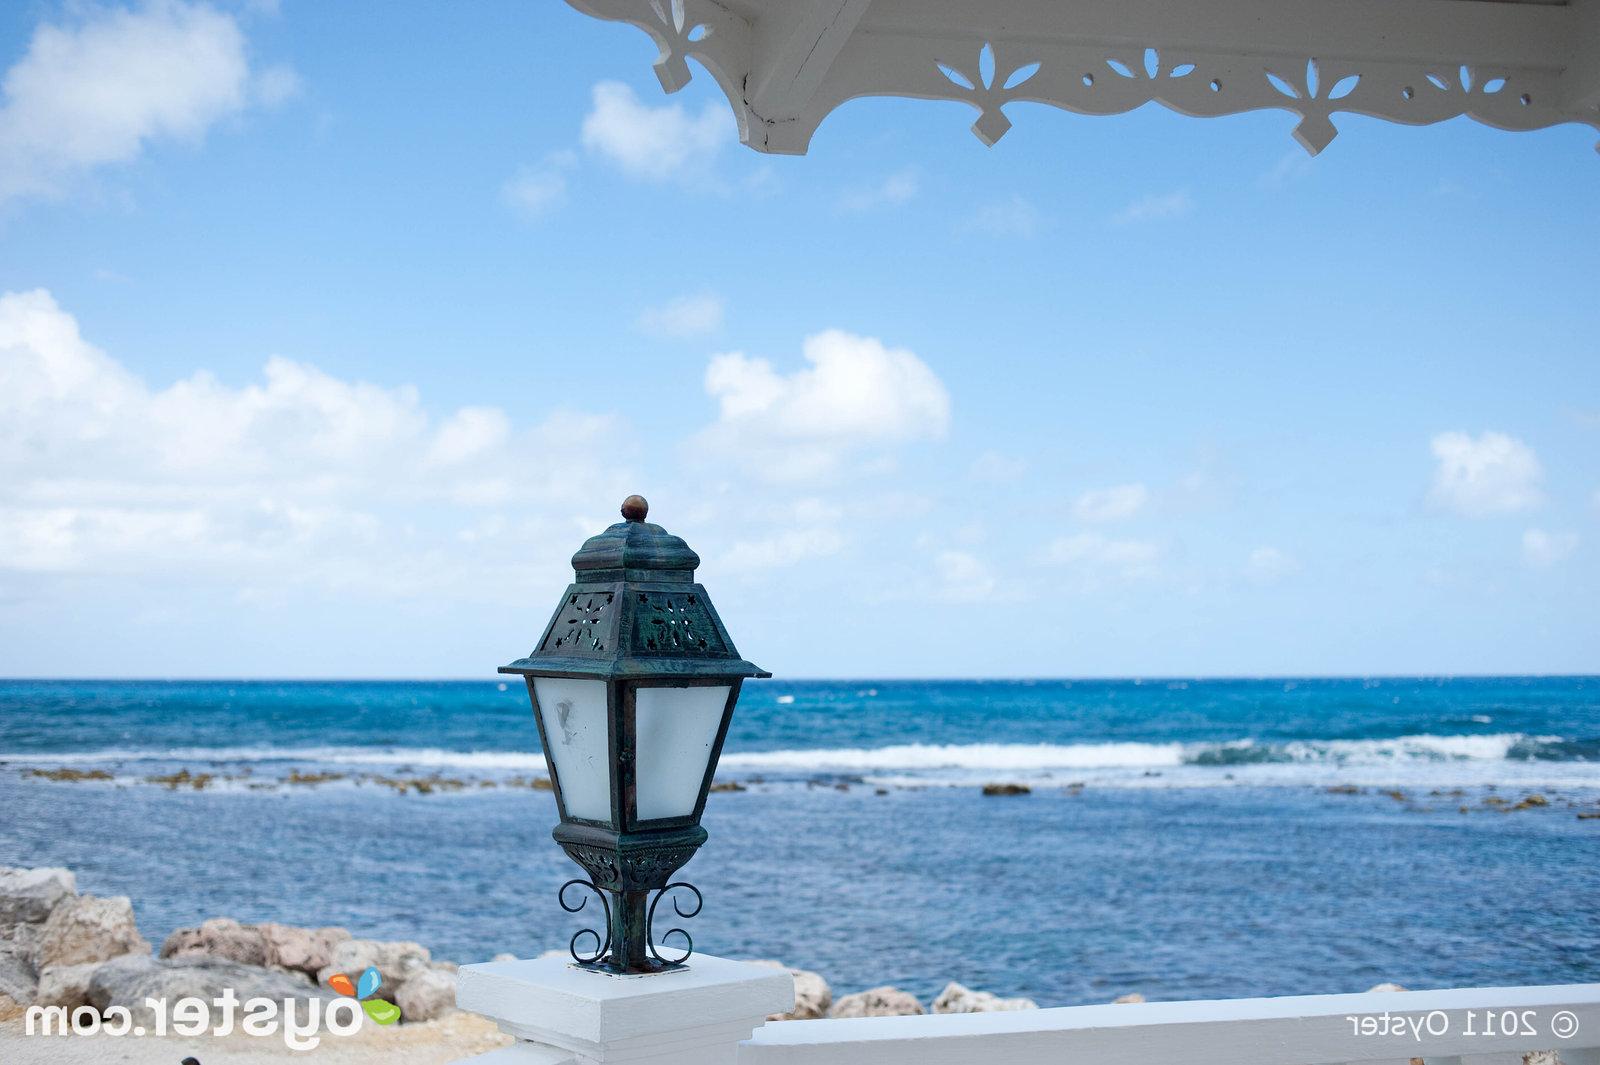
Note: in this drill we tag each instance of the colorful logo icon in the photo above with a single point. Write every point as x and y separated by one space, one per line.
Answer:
376 1008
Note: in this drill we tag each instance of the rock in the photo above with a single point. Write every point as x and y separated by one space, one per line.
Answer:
17 979
27 896
396 963
310 950
1007 789
274 946
309 979
1385 987
182 942
112 976
1129 998
878 1002
83 928
9 1007
65 985
426 994
1541 1057
958 999
812 995
129 980
504 956
220 937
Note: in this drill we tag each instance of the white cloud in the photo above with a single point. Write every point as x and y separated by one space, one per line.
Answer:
685 316
534 190
781 549
894 190
1155 208
962 578
1117 503
1101 555
297 476
468 434
1268 564
1489 474
1011 217
96 92
655 143
276 85
856 394
1543 549
996 468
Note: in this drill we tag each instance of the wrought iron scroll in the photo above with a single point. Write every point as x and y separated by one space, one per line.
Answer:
677 906
603 943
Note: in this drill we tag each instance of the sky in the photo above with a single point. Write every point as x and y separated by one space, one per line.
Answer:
326 338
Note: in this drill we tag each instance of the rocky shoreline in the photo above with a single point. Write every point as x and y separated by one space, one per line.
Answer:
405 780
59 948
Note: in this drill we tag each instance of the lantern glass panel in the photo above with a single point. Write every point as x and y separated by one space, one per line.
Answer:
676 729
576 729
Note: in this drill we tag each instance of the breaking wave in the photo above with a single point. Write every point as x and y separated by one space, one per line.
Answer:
1439 760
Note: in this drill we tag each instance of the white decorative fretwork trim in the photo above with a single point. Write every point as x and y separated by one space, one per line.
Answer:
804 58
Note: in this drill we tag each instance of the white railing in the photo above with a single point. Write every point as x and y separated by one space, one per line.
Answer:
1468 1026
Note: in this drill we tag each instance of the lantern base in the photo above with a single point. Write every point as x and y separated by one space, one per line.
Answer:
697 1017
622 862
607 968
629 946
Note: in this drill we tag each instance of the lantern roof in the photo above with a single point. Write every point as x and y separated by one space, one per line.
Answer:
634 549
634 611
785 65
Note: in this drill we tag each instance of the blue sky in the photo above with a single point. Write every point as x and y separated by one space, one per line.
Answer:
327 337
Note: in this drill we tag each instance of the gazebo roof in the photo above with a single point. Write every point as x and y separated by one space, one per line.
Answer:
786 64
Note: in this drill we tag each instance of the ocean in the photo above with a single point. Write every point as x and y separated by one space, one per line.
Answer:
1179 838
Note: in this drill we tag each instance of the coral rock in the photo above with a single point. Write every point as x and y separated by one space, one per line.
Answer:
958 999
812 995
878 1002
65 985
426 994
84 928
27 896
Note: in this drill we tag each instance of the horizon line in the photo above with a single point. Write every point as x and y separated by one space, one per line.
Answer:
820 679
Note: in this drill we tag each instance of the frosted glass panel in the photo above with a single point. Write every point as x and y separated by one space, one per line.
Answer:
676 728
574 716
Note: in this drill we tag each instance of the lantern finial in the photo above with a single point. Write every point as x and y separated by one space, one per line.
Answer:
635 508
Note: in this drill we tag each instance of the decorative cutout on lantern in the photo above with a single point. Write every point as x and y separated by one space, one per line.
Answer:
584 624
674 622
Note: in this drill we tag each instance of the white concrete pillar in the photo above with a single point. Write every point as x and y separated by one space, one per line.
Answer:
563 1015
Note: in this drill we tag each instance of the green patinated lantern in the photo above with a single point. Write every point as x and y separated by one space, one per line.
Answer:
633 685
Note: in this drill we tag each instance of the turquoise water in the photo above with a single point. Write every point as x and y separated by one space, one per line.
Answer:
1180 838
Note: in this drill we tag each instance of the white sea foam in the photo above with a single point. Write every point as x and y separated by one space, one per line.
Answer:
1420 760
988 756
351 756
